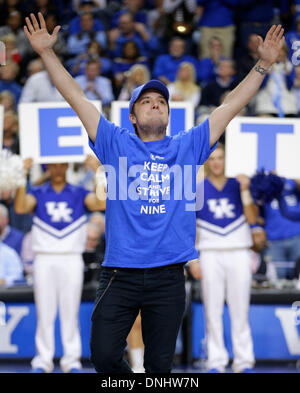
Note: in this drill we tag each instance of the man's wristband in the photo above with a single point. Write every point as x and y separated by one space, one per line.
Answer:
255 228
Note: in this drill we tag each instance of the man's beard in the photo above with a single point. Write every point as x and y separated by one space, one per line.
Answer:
153 129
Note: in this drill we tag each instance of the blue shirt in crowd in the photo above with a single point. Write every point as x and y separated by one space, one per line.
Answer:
11 268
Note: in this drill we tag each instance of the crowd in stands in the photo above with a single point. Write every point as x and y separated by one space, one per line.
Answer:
201 49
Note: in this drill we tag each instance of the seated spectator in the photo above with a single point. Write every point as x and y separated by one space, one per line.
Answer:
293 36
136 76
166 66
7 99
255 17
10 132
283 235
129 30
184 88
276 97
249 59
77 43
39 88
43 6
60 46
9 6
83 175
157 20
14 25
11 268
8 235
35 66
11 51
207 66
216 20
84 6
95 86
130 56
133 7
94 51
8 75
213 92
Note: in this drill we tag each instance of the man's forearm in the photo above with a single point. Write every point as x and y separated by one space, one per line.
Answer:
247 88
236 100
60 77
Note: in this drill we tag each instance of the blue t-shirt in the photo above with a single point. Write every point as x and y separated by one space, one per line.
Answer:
150 221
276 225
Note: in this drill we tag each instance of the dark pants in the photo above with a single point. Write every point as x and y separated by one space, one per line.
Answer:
160 295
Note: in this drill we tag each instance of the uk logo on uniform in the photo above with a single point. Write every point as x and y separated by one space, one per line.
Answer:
221 208
59 211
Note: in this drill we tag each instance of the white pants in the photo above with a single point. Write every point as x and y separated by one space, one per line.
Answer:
227 275
58 280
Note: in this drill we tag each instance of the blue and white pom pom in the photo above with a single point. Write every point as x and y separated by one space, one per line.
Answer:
12 173
265 186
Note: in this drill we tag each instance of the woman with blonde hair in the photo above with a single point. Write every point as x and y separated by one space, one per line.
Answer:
184 88
136 76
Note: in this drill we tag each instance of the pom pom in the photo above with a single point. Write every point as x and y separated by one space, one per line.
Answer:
12 173
265 187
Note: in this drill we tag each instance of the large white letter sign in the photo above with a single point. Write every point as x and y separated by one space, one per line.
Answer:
52 132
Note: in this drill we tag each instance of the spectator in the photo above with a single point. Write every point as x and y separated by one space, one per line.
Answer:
94 51
137 76
85 6
43 6
11 51
184 88
157 20
8 75
255 17
10 266
283 235
8 235
10 132
60 46
35 66
213 92
293 36
249 59
7 99
77 43
166 66
14 25
39 88
276 97
130 56
208 65
83 174
129 30
58 238
96 87
133 7
217 21
9 6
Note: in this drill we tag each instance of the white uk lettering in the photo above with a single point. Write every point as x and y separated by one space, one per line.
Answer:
59 211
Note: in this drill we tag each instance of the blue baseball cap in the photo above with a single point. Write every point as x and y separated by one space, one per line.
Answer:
153 84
